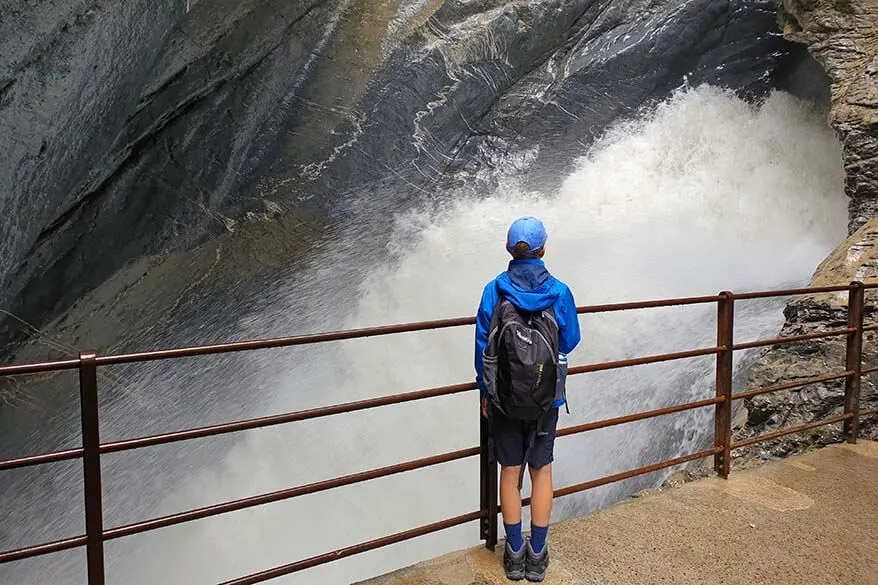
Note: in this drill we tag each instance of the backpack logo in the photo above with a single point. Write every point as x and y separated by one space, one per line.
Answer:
523 338
539 374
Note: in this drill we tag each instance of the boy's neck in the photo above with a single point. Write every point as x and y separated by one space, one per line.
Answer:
536 261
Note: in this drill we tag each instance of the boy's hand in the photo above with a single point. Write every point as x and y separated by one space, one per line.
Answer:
484 407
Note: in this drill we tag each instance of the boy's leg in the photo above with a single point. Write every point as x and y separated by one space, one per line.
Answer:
510 505
539 464
510 496
542 493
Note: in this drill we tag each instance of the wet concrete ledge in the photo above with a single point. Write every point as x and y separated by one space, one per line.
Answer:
810 519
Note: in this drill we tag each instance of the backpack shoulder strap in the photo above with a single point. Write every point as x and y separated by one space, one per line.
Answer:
549 315
495 314
494 325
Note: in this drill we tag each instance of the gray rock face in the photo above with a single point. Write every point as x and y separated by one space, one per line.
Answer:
856 258
131 127
843 37
621 57
142 128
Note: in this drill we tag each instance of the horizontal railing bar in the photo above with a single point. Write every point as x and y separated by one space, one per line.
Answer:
364 332
591 426
309 339
581 487
634 305
791 431
266 421
871 412
790 385
791 292
793 338
356 549
871 327
182 352
117 359
41 459
651 359
41 549
636 472
869 371
242 504
22 369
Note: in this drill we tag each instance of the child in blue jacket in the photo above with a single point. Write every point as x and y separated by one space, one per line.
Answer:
528 285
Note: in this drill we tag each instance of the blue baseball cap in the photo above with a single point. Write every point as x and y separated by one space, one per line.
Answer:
529 230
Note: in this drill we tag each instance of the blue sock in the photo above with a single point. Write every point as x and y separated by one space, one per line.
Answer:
538 536
513 536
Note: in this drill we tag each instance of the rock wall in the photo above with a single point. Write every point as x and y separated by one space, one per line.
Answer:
131 127
855 259
843 37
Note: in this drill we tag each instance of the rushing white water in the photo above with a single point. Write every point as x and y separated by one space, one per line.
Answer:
706 193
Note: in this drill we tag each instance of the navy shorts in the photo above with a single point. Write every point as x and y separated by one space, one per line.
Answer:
511 437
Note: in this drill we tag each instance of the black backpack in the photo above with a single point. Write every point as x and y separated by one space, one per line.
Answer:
521 361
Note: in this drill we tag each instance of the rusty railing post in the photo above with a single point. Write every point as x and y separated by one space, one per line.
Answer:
488 468
854 362
725 329
91 464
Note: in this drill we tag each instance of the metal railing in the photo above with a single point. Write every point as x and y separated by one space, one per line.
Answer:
88 363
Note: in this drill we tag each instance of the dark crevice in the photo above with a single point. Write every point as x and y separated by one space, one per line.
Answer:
789 21
6 86
147 98
132 152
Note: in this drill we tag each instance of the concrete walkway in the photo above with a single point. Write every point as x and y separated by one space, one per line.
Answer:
808 520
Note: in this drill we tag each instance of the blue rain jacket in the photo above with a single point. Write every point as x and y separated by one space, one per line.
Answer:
529 286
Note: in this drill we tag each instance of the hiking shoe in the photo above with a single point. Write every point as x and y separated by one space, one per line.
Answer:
514 562
537 564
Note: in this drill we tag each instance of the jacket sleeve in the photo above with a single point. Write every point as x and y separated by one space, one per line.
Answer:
483 322
568 322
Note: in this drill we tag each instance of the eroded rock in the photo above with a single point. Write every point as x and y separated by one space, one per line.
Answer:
843 36
855 259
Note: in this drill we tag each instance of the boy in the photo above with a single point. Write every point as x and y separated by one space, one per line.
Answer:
519 400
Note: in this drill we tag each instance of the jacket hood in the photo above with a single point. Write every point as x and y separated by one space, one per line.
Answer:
529 286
